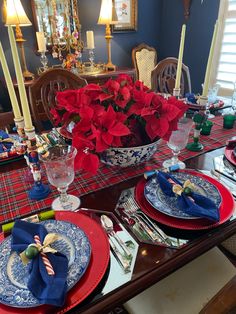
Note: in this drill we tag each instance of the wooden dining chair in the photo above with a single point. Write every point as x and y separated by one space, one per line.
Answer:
144 60
164 74
43 92
6 120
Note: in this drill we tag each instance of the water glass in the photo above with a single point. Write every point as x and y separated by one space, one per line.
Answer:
212 98
59 164
177 141
233 100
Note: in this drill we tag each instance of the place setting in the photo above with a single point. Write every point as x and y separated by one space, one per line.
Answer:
78 253
199 203
74 252
185 199
89 252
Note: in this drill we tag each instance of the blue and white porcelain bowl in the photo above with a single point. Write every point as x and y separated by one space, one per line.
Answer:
129 156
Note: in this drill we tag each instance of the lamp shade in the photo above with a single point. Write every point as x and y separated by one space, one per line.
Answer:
16 14
107 13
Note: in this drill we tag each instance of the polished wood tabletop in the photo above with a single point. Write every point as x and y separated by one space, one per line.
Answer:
153 262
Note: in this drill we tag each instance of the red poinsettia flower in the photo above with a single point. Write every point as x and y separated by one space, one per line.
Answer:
110 126
118 113
85 158
124 97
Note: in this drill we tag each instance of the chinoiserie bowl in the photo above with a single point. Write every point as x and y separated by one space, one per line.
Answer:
129 156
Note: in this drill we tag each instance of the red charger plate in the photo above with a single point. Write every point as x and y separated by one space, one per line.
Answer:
230 156
98 265
226 209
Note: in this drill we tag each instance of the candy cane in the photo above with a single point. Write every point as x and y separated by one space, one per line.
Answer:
45 259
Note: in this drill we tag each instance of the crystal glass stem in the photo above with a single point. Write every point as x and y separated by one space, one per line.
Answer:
63 195
44 60
175 158
91 57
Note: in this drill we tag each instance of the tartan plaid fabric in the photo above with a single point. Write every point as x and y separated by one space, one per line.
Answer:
14 201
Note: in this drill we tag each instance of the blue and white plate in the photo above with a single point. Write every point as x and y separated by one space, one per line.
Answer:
14 275
168 205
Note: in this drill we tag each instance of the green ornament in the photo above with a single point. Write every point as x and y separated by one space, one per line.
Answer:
31 252
187 191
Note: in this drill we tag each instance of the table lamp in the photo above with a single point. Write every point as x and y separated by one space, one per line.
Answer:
16 16
107 17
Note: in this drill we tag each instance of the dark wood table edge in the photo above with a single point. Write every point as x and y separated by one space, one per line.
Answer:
186 255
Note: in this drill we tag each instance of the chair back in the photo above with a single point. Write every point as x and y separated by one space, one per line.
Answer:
164 75
144 60
42 93
6 120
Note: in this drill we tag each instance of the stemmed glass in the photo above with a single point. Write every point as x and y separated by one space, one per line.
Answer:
177 141
212 97
233 100
59 164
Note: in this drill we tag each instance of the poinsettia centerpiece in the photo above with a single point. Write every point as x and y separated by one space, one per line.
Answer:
120 113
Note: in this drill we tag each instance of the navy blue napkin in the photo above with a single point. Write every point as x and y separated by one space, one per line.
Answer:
195 204
47 289
6 146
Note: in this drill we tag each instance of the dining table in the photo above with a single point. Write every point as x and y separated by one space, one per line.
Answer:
153 262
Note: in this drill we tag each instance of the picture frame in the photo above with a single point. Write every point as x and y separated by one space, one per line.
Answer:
127 13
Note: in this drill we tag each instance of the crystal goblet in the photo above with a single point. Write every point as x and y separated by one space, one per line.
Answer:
59 164
212 98
177 141
233 100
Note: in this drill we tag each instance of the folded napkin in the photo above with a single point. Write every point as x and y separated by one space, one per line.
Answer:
188 201
48 289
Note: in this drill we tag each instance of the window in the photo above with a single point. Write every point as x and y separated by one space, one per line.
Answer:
224 73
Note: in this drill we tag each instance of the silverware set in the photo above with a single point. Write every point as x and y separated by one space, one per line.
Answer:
119 248
154 232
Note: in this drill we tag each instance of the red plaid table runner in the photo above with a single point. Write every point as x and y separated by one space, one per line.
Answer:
14 201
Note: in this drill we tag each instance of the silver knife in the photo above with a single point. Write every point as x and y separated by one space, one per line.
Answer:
124 263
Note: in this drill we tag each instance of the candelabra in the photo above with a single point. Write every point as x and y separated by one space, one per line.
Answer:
67 40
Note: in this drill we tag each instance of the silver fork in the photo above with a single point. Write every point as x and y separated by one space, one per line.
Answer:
143 225
134 207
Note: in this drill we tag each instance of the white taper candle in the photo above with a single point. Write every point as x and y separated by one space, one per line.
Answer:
180 57
90 40
10 87
20 80
209 62
41 41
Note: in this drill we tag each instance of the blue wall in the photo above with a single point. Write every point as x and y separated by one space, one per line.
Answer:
159 25
122 43
200 27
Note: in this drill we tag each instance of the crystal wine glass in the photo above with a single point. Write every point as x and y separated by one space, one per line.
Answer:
177 141
233 100
212 98
59 164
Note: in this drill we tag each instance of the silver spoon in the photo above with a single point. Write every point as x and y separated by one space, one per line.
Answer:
108 225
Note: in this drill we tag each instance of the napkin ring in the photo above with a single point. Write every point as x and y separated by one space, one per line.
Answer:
187 188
